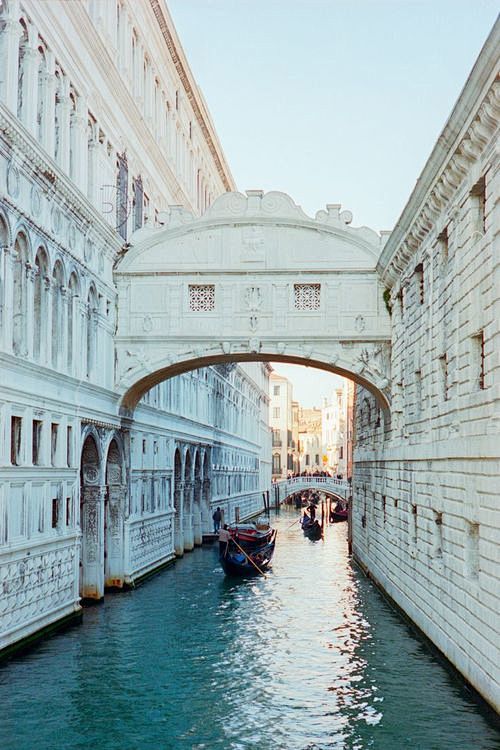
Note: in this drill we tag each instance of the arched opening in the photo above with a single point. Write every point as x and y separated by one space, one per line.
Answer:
114 516
206 498
58 326
40 305
187 526
91 331
20 294
92 495
178 504
72 318
4 245
197 501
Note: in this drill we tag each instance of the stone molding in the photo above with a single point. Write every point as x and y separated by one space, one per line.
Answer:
465 137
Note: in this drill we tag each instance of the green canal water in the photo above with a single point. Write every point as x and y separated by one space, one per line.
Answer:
310 658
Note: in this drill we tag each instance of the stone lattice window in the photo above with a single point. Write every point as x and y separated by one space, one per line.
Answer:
201 297
307 296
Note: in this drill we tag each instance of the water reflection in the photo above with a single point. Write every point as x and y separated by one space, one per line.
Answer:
310 657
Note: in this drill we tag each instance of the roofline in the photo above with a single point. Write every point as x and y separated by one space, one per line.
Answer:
479 77
193 93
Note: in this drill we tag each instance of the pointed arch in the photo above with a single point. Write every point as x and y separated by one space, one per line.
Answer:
40 303
20 293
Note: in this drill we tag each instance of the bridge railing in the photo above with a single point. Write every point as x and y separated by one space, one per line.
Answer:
287 487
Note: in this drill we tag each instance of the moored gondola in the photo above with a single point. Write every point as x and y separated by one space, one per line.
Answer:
247 553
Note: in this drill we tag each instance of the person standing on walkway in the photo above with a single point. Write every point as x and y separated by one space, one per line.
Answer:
217 518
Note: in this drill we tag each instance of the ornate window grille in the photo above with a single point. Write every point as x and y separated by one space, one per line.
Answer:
201 297
307 296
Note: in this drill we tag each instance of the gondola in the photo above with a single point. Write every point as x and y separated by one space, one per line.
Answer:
338 515
311 528
246 553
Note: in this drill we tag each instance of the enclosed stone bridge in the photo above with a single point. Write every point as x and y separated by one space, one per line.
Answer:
253 279
328 485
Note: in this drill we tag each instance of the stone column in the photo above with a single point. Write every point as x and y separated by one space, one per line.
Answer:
29 309
92 163
92 549
9 48
46 328
49 107
81 322
114 562
29 92
188 516
6 297
78 139
178 522
63 108
206 521
62 354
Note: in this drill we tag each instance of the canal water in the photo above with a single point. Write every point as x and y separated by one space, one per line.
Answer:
309 658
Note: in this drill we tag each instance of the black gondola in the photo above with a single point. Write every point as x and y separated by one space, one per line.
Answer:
311 528
243 560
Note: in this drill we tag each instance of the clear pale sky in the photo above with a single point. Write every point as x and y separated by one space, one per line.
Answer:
332 101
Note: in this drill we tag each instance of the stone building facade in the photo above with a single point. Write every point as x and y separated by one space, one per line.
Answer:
426 507
102 128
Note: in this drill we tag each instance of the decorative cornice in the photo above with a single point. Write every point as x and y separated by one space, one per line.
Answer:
465 136
192 95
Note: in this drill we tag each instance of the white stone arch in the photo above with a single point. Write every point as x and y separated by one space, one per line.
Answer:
92 496
206 492
178 500
115 504
197 497
58 290
22 263
91 330
21 69
188 474
254 278
72 319
42 76
40 302
5 245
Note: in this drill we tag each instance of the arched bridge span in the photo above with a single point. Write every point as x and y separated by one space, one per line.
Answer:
329 485
252 279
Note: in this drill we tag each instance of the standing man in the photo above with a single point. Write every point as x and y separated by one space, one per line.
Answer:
217 517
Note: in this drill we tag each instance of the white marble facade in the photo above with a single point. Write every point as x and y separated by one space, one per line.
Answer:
88 155
426 510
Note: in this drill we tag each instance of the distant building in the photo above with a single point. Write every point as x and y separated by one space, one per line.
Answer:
336 418
281 422
310 438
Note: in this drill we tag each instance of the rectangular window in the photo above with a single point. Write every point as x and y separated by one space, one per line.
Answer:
35 442
54 427
478 360
276 412
472 550
444 248
15 440
316 459
443 370
419 278
201 297
55 512
276 390
138 202
341 452
69 446
307 459
307 296
418 391
478 200
122 208
68 511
